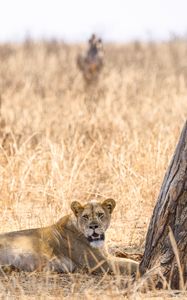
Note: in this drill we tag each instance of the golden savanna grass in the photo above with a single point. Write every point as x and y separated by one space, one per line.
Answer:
63 141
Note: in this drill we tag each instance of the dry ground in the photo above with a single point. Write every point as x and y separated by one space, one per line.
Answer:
62 141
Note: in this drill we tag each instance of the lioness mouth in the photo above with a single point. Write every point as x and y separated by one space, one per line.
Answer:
96 237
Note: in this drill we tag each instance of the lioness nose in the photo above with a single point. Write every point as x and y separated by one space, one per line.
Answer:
93 226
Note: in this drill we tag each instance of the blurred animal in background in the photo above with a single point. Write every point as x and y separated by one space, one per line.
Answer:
91 63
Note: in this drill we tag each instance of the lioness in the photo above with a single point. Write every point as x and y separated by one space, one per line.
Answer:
91 63
75 242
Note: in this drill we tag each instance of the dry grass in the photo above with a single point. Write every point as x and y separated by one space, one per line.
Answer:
62 141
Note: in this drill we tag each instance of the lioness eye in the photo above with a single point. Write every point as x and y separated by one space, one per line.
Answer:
85 217
100 215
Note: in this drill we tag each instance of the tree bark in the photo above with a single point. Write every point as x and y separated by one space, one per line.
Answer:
166 240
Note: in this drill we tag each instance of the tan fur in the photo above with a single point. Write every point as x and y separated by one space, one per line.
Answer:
75 242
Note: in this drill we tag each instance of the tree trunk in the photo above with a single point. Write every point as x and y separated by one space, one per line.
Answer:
166 240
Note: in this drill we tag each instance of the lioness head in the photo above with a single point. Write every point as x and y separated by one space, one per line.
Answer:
93 219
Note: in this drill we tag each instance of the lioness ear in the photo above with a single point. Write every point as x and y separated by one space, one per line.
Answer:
76 207
109 204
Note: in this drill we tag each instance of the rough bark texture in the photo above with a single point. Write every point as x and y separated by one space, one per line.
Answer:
170 212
